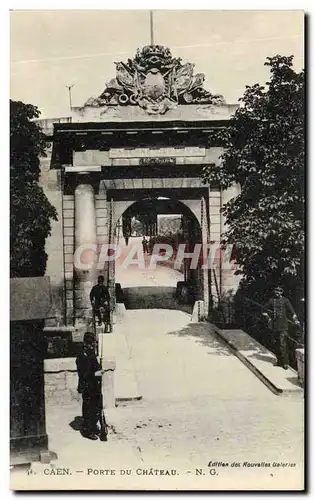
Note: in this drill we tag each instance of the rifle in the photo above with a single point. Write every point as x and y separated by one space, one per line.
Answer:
105 316
103 436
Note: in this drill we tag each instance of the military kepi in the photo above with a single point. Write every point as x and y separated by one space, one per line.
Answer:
89 338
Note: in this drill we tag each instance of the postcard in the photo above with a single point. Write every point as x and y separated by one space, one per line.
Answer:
157 250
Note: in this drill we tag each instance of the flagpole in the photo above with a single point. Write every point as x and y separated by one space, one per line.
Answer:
69 87
151 27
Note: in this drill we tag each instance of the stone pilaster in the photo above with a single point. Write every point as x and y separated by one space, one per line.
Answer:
68 250
85 238
228 280
215 236
205 241
102 226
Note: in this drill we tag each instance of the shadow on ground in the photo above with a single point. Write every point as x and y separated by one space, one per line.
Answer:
264 357
76 424
244 342
294 381
153 297
205 335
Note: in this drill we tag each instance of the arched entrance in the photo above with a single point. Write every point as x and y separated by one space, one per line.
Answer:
166 272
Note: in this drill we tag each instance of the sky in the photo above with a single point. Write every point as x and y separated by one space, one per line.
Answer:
50 49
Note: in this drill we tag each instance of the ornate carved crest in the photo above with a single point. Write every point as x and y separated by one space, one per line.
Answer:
156 82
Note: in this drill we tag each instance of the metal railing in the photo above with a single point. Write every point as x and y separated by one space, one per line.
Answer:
259 329
246 314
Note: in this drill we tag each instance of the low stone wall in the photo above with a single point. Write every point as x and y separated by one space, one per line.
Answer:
61 382
67 341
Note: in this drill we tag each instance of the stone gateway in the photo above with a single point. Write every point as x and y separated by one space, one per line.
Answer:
145 139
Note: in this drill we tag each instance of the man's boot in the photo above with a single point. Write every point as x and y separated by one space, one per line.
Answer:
93 437
89 435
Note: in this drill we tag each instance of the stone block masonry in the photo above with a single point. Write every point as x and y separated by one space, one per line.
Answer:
61 382
85 213
68 251
50 181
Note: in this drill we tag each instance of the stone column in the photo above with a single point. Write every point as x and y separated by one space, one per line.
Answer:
84 234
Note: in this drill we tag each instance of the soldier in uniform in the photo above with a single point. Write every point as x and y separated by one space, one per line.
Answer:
145 245
89 373
279 311
100 300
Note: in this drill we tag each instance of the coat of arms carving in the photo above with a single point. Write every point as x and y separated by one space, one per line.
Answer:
156 82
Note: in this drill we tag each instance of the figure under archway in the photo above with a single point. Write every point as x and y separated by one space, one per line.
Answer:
170 278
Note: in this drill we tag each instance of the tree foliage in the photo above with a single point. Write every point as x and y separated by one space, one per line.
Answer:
30 211
264 154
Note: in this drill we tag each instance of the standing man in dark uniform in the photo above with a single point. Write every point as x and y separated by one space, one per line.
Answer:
279 310
100 300
145 245
89 373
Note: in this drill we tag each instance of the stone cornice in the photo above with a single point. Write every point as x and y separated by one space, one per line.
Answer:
121 114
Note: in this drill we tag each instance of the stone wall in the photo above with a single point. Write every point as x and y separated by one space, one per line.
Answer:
229 281
102 223
68 248
61 382
50 181
215 229
60 245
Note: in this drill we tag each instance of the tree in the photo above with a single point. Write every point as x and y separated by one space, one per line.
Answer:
264 154
30 211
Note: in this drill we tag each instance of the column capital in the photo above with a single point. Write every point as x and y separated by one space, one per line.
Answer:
74 179
84 189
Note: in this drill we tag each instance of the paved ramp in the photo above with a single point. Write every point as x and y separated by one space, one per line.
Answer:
200 404
261 362
175 359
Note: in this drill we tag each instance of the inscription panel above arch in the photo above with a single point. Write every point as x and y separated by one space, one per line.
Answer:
91 159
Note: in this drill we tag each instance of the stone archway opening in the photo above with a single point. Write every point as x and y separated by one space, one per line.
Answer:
159 264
